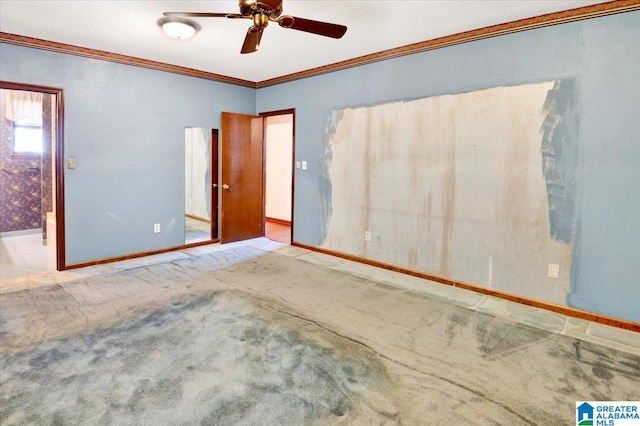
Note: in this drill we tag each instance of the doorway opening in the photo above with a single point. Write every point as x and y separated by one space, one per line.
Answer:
278 175
247 188
31 180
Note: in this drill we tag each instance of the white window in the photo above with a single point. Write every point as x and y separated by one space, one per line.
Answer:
27 138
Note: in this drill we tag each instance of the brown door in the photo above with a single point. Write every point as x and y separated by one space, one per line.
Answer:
242 177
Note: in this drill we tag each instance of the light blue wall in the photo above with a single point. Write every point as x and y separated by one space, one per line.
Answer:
607 248
602 55
125 128
124 125
519 58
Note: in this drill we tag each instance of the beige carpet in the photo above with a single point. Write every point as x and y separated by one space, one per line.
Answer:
241 336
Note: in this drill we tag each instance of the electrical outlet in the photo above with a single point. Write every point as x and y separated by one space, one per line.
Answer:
304 165
367 235
554 270
156 228
71 163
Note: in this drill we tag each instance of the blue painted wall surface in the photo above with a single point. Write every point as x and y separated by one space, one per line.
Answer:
607 247
124 126
602 55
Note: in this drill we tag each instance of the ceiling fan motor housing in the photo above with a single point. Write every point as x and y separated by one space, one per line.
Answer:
271 8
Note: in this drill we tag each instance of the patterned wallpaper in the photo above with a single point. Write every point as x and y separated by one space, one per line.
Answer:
45 162
20 183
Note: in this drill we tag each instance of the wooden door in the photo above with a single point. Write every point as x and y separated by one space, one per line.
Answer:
242 183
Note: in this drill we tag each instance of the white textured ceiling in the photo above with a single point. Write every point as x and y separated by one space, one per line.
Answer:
130 28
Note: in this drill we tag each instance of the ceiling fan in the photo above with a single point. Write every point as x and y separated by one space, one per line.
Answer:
263 11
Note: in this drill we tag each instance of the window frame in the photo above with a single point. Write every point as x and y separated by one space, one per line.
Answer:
24 155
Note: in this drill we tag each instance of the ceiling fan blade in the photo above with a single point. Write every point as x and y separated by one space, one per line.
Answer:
252 40
201 15
316 27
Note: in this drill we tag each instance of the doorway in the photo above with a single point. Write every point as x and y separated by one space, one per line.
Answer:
31 205
244 212
278 171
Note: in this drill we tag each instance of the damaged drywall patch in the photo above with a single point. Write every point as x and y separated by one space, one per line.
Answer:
560 157
452 185
325 180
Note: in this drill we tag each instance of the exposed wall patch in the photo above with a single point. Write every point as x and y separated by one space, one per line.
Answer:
456 186
325 180
560 158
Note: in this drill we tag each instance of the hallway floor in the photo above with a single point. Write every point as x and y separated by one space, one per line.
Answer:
259 332
277 232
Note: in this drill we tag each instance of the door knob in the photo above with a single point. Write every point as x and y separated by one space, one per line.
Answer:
225 186
215 185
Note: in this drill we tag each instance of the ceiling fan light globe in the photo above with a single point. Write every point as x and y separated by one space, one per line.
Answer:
180 30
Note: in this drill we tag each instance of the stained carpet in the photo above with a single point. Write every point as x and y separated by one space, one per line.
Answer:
241 336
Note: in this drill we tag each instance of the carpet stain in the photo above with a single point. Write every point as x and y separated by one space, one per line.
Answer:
240 336
215 359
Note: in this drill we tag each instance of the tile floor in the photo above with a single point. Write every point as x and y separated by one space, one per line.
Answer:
24 254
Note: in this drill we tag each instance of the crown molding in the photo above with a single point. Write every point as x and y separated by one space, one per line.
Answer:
572 15
118 58
579 14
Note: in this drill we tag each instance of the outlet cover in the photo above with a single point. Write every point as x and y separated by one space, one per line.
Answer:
156 228
367 235
554 270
